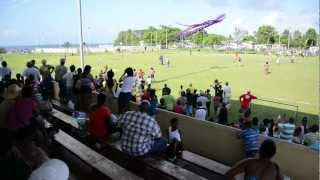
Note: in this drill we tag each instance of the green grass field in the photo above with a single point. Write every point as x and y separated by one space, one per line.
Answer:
296 84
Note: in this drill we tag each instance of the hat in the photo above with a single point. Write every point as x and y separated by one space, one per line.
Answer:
12 92
53 169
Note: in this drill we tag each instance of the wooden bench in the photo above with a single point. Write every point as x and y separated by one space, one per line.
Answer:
93 159
161 165
65 118
205 162
164 166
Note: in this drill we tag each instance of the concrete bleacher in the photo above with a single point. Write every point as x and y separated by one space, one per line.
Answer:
220 143
158 164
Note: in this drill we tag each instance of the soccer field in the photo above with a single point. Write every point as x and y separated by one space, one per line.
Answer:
290 83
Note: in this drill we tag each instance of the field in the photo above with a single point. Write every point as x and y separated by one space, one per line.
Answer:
294 84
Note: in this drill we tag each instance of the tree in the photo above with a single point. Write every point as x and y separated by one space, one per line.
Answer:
266 35
66 46
3 51
249 38
311 37
212 39
297 39
284 38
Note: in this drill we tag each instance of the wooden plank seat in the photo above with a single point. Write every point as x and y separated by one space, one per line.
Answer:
205 162
94 159
159 164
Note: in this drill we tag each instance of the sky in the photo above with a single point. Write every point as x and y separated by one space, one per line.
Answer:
34 22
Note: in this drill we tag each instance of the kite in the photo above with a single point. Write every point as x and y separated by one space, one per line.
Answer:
191 29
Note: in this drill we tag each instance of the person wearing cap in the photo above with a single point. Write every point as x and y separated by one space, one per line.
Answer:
53 169
141 134
10 95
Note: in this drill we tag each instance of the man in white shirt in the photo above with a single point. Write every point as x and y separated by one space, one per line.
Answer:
4 70
31 71
203 99
226 94
201 112
68 77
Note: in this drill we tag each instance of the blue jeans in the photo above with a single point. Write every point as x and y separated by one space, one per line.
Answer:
159 146
189 110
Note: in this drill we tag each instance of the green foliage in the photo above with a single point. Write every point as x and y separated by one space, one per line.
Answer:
266 35
311 37
249 38
66 45
213 39
284 38
297 39
3 51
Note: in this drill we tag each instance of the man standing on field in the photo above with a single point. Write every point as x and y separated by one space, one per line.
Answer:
245 100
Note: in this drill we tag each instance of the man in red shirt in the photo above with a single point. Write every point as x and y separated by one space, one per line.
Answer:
100 120
245 100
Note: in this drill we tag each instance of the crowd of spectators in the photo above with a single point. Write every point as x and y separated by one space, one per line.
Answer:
25 105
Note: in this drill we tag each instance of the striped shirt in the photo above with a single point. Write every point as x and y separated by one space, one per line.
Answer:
250 139
286 131
311 138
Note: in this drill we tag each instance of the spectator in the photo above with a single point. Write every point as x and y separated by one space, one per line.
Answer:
216 103
153 103
178 108
245 100
189 97
125 93
10 95
217 88
31 71
223 114
4 71
297 135
258 168
51 169
100 124
144 137
264 128
250 137
68 78
203 99
227 94
244 118
60 71
12 164
270 127
208 104
23 111
165 90
20 80
162 105
313 136
85 86
169 100
287 130
175 140
183 100
304 125
46 71
33 64
255 123
201 113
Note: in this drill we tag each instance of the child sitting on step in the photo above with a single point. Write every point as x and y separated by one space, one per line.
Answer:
175 140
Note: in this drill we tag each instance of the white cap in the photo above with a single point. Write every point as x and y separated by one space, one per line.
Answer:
53 169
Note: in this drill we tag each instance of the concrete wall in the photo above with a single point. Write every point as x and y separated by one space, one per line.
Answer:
221 143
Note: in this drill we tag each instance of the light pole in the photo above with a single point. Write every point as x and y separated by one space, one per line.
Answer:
81 36
166 38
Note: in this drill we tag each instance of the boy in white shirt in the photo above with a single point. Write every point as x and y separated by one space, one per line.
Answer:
175 141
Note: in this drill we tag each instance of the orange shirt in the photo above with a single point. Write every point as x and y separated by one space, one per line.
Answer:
98 122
